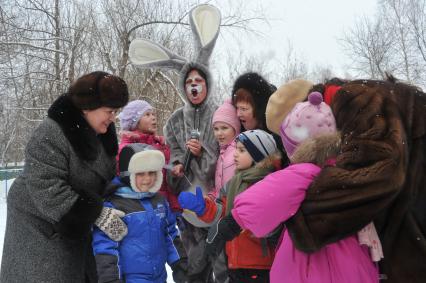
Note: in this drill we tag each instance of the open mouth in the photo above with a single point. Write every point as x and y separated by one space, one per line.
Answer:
194 92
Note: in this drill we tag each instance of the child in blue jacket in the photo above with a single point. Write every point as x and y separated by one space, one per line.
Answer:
152 239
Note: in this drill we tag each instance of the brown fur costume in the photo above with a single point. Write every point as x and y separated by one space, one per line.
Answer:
380 176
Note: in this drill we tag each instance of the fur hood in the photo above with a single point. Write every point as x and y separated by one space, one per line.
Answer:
82 137
318 150
273 160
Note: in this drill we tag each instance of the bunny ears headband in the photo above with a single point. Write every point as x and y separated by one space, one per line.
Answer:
204 21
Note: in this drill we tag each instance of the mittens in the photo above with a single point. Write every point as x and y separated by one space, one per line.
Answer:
225 230
179 272
195 203
109 221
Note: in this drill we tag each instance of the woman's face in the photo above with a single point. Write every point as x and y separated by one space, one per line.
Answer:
223 133
245 113
195 87
242 157
148 123
100 118
145 180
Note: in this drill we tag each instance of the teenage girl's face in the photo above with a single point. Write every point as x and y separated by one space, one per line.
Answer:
100 118
148 123
245 113
242 157
145 180
223 133
195 87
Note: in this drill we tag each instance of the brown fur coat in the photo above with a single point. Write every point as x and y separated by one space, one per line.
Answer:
380 176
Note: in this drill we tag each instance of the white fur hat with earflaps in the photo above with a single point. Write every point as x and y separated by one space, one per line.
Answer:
148 160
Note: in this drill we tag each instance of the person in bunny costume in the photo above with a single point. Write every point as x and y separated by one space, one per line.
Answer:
195 116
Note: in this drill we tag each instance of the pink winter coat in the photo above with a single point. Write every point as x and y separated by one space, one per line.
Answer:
225 167
274 200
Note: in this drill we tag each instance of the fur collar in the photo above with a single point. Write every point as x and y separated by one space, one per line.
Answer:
82 137
318 150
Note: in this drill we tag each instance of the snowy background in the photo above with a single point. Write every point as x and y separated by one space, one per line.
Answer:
3 207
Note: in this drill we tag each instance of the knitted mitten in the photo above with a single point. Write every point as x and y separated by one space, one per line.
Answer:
110 223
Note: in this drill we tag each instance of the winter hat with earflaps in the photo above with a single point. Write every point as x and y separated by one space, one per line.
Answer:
205 22
98 89
283 100
307 120
132 113
227 113
258 143
137 158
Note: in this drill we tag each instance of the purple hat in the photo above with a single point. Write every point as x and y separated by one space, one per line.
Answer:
131 114
307 120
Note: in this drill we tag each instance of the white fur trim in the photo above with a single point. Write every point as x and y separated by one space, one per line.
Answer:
154 188
146 161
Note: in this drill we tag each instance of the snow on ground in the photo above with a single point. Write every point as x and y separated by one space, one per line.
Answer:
3 206
4 186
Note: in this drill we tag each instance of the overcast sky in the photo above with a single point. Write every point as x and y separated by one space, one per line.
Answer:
312 26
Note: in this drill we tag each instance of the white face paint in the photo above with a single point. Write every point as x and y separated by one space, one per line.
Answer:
195 87
194 90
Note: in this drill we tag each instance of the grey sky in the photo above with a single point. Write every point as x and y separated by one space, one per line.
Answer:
312 26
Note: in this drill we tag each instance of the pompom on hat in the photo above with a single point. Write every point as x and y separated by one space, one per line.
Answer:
283 100
307 120
132 113
227 113
258 143
98 89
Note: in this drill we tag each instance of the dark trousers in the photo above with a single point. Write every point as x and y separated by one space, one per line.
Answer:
248 275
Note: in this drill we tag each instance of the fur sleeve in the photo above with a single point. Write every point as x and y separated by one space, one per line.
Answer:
177 154
370 170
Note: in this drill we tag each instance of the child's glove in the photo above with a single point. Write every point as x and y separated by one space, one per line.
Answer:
195 203
179 272
109 221
225 230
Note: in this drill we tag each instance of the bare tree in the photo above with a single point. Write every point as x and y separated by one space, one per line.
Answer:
45 45
392 42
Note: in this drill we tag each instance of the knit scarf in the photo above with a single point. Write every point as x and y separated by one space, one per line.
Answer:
127 192
242 180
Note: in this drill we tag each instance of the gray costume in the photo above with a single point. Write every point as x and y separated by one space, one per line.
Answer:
205 23
53 204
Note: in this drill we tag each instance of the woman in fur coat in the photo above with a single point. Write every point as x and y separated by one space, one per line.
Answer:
379 174
53 204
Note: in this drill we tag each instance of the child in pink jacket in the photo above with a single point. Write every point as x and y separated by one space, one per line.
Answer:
226 126
311 141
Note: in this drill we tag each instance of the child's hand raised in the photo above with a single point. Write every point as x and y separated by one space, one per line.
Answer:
195 203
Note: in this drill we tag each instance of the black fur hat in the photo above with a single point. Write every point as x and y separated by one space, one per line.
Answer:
98 89
260 90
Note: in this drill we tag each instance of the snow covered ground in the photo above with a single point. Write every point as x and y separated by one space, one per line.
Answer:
3 186
3 208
